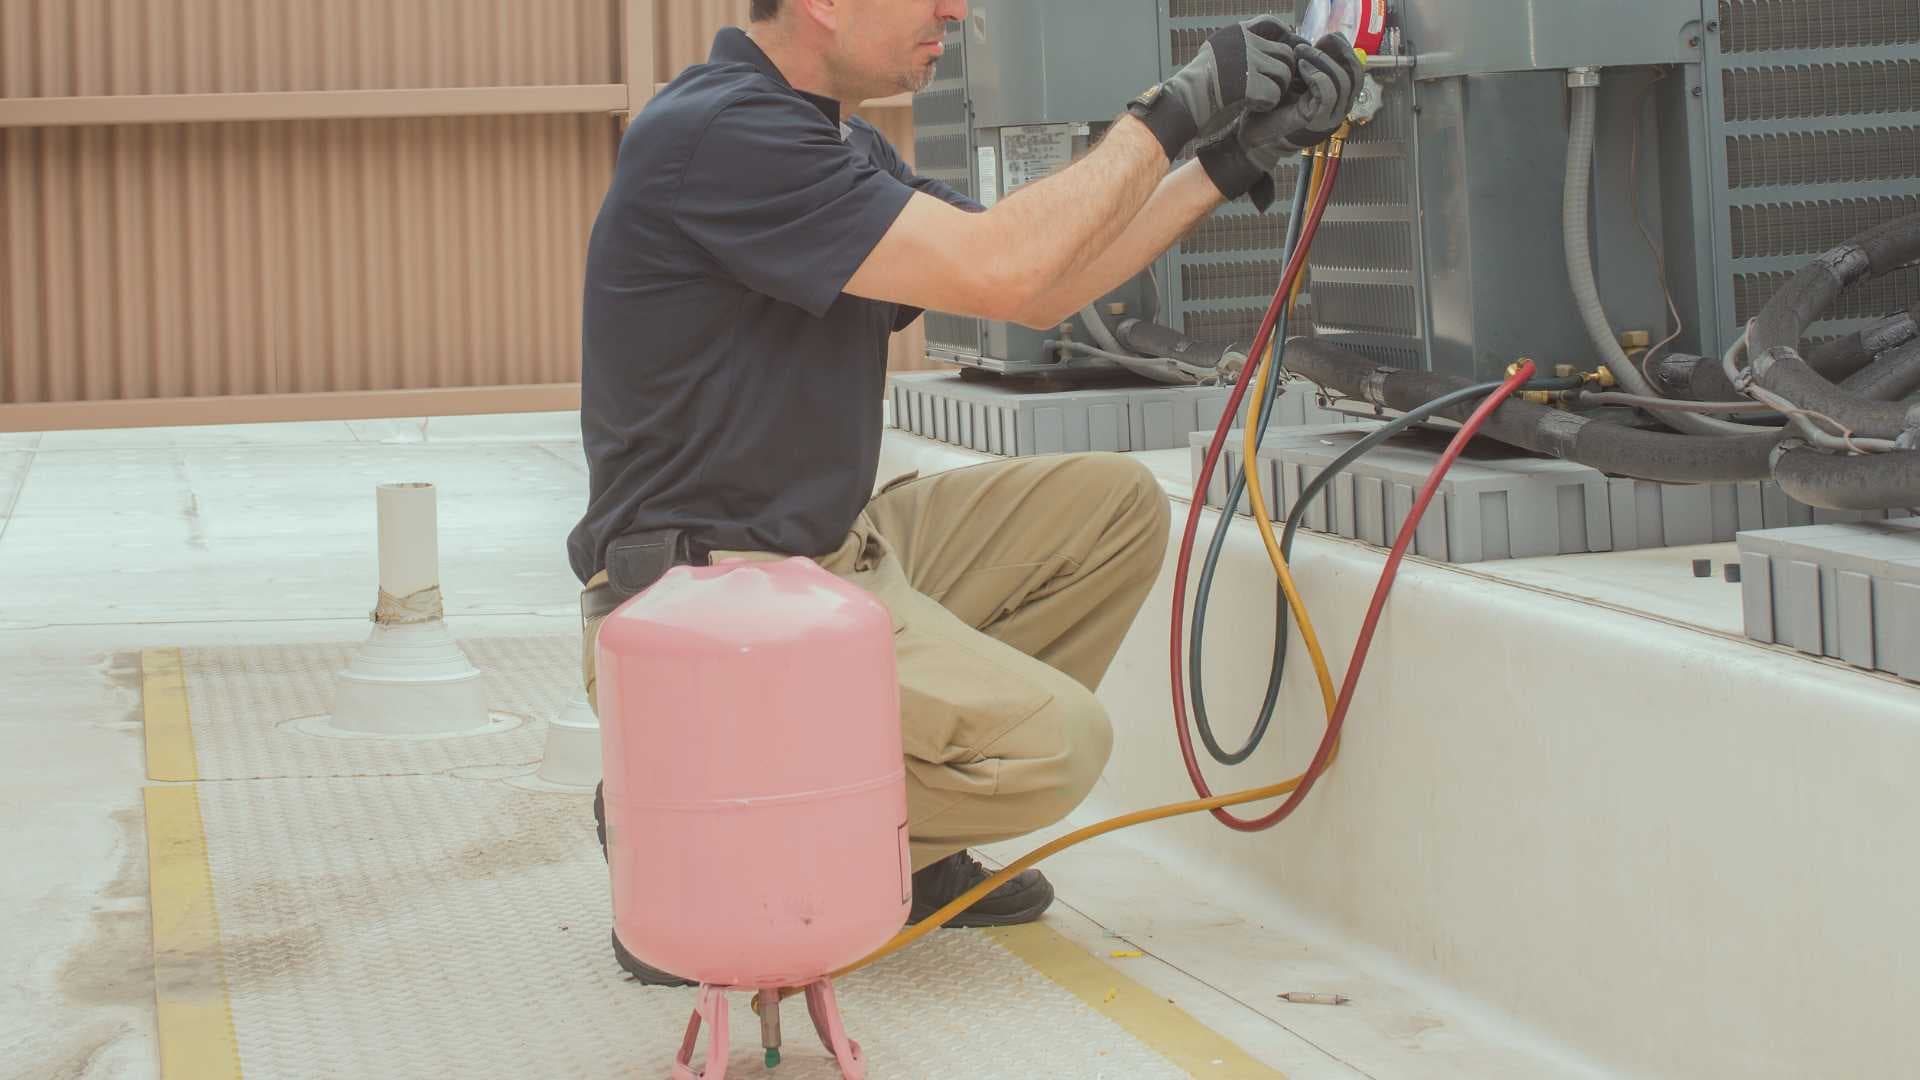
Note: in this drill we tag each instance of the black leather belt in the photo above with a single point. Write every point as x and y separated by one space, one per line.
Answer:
634 563
599 601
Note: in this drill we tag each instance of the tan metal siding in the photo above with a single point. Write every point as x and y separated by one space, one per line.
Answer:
398 226
61 48
222 259
686 31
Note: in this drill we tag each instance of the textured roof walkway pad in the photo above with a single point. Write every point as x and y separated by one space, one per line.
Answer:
328 906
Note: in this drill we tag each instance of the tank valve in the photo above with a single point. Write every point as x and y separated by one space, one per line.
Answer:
769 1009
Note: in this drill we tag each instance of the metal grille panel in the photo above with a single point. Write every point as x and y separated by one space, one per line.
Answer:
954 331
1364 246
1234 233
942 152
1218 9
950 67
1389 127
1367 286
1763 25
1229 281
941 107
1823 157
1775 93
1868 300
1386 355
1816 141
1809 228
1238 325
942 146
1186 45
1381 182
1233 257
1378 309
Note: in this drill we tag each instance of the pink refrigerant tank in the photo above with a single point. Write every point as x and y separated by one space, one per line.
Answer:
756 799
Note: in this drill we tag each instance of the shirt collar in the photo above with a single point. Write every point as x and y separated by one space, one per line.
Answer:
732 45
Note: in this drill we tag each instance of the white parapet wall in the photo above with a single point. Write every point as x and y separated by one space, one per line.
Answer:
1644 838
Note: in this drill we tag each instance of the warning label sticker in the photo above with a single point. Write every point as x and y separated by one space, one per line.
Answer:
989 177
1035 152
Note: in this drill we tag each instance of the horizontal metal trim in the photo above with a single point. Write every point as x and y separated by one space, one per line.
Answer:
272 408
896 101
310 105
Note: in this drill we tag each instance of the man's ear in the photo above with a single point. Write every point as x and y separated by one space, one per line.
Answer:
827 14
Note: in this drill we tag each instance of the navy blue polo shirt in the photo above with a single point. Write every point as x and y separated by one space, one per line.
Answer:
729 387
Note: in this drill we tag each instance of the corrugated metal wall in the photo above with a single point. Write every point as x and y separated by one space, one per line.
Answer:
349 262
687 29
58 48
253 258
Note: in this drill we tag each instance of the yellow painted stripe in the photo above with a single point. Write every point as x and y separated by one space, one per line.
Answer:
163 700
1155 1021
189 976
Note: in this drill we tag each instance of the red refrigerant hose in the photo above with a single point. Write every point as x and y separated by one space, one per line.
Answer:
1337 719
1521 376
1295 266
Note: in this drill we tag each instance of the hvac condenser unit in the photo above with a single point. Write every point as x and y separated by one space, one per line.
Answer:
1737 139
1023 90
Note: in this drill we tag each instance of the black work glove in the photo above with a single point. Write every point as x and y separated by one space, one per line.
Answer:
1242 159
1248 64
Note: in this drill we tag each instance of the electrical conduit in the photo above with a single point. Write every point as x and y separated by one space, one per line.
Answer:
1584 86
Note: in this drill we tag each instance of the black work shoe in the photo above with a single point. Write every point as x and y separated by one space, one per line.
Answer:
642 974
647 976
1022 900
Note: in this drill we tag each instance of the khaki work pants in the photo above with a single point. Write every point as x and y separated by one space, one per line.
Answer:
1011 586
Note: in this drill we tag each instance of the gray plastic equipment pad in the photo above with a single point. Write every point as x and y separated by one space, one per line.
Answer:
1651 515
1526 505
1850 592
1493 504
995 419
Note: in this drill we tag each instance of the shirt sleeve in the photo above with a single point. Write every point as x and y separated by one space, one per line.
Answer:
782 203
884 154
940 190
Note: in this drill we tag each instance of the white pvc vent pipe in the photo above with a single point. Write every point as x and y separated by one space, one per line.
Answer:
410 678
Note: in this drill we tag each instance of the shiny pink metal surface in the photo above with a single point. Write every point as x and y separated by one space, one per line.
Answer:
755 792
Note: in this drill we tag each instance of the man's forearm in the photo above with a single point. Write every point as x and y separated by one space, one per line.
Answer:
1183 198
1052 228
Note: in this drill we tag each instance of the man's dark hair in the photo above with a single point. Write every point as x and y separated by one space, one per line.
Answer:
764 10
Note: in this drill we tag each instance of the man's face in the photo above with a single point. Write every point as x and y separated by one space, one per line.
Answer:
889 47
